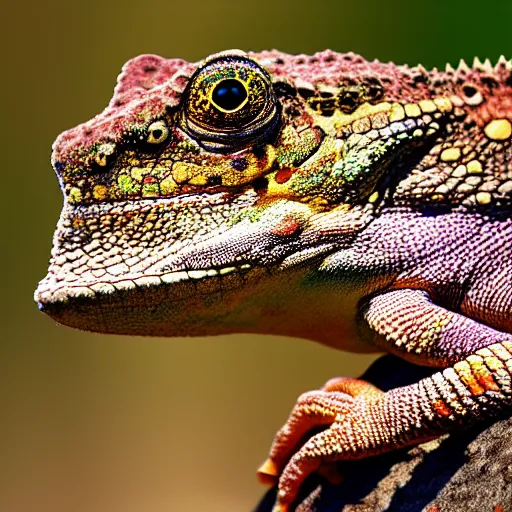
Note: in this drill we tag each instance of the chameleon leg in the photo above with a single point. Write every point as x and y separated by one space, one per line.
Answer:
410 325
478 385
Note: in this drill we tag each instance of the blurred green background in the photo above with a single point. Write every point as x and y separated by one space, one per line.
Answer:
99 423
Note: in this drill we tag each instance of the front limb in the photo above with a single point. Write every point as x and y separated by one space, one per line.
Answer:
368 422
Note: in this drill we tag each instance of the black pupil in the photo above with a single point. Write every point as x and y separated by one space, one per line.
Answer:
229 94
157 134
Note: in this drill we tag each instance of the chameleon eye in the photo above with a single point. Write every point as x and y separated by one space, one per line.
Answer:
230 102
157 132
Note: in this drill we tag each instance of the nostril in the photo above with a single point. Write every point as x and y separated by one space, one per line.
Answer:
58 166
104 155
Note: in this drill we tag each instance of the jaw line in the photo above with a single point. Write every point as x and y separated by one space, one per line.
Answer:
103 289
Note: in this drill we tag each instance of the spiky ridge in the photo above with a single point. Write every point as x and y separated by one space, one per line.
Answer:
150 85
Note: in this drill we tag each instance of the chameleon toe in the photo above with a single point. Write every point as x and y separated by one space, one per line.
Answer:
268 473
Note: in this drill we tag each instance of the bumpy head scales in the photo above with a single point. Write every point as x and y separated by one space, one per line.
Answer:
196 174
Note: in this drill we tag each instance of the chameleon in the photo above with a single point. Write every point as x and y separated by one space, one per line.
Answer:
362 205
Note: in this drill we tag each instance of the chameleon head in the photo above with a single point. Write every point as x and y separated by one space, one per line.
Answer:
202 187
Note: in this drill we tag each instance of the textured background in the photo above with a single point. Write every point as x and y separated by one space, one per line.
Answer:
98 423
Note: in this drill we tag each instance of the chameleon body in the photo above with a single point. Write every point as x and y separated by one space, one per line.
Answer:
359 204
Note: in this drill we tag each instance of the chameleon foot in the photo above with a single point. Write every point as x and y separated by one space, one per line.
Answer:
340 407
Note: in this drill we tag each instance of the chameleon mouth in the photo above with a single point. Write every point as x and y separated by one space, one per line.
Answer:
176 282
128 306
193 303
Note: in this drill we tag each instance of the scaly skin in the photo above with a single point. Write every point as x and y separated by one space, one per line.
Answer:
363 205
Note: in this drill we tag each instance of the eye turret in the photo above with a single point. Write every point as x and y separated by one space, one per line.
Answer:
230 103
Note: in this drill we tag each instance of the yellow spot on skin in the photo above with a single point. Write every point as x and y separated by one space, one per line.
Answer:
75 195
498 129
412 110
167 186
137 173
427 106
465 374
274 188
397 113
493 363
417 133
481 372
450 155
100 192
132 161
483 198
180 172
318 204
474 167
373 197
199 180
444 104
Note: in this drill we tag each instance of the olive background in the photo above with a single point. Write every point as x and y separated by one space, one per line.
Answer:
96 423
